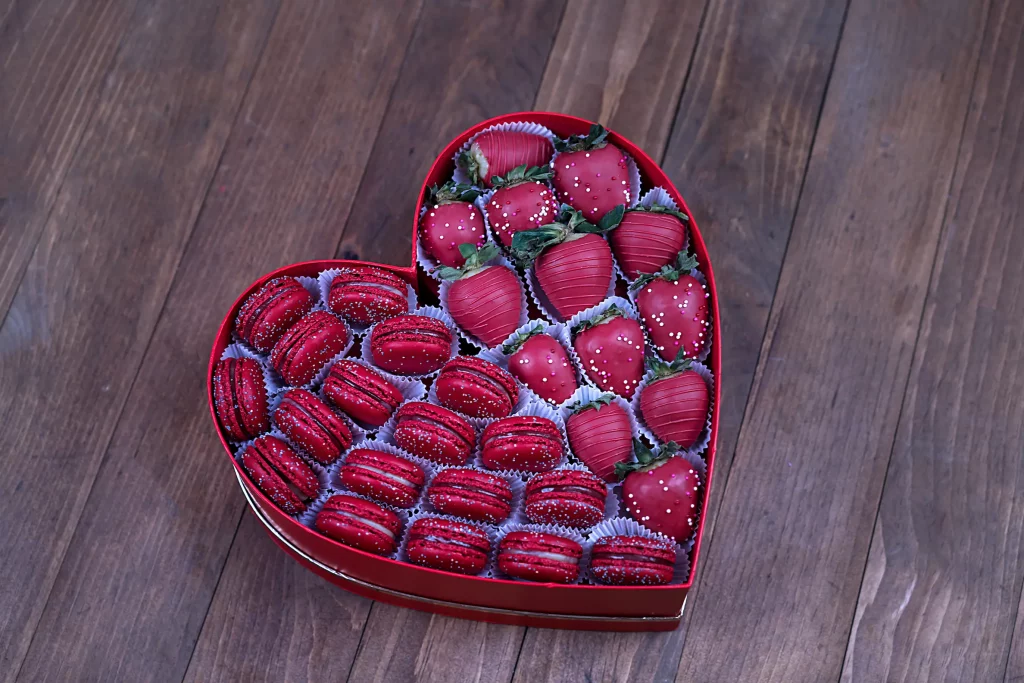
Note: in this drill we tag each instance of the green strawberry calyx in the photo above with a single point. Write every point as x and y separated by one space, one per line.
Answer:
646 459
452 192
672 271
662 369
520 175
596 404
661 208
476 260
595 139
527 245
604 316
521 338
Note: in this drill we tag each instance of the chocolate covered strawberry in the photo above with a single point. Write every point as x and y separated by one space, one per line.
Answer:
674 307
451 219
570 259
485 300
539 361
591 175
600 435
648 238
522 201
674 403
611 348
496 152
661 491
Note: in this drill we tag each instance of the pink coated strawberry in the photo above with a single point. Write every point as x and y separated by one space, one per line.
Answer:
539 361
522 201
661 491
611 349
451 219
571 261
674 307
496 152
485 300
648 238
674 403
600 435
591 175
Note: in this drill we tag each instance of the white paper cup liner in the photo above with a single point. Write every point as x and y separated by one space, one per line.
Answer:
326 277
491 532
460 175
555 529
705 437
589 314
708 340
623 526
524 313
366 355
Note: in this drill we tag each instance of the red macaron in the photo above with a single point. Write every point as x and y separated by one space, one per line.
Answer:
536 556
434 433
307 346
469 493
365 395
365 295
359 524
448 545
573 498
312 426
632 561
281 474
410 344
269 311
525 444
240 398
475 387
382 476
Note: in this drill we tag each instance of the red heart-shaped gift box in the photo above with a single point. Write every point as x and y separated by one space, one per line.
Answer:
504 601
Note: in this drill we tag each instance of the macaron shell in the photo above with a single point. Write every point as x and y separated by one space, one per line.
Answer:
535 557
447 545
471 494
410 345
366 396
365 296
632 560
307 347
560 497
383 477
240 398
282 475
359 524
628 573
477 388
524 444
434 433
312 426
268 312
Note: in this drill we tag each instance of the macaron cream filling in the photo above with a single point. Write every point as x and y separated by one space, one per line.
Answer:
544 555
388 475
427 420
379 527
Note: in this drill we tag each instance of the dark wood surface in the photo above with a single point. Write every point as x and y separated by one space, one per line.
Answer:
856 171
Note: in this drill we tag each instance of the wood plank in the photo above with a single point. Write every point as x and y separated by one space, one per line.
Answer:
779 55
53 55
155 535
1015 662
795 522
459 70
82 316
623 65
946 565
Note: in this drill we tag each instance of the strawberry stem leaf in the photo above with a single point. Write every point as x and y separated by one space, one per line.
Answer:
520 175
527 245
452 192
673 271
595 139
645 457
661 208
604 316
476 259
662 369
596 404
521 338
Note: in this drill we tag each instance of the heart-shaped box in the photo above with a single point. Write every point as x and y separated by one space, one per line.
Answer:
593 607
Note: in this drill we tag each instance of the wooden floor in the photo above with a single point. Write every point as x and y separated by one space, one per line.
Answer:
857 169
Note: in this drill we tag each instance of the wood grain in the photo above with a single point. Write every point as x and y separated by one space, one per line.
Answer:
740 163
156 532
87 305
780 583
623 65
459 70
53 55
947 558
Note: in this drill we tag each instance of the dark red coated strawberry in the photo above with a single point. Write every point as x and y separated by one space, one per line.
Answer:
573 498
477 388
448 545
451 219
382 476
611 349
364 394
364 295
591 175
539 361
497 152
632 561
470 493
600 435
240 398
311 425
360 524
270 311
675 402
281 474
524 443
307 346
522 201
484 300
571 261
648 238
536 556
662 491
434 433
410 344
674 307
